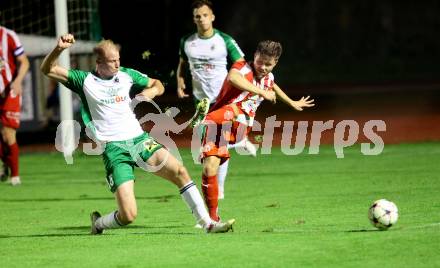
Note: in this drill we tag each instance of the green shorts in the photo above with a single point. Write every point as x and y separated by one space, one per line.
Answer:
120 158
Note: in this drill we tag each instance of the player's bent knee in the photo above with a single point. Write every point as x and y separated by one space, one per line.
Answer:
182 174
181 171
8 135
210 170
210 166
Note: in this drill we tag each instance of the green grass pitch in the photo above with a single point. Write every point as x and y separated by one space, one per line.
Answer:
291 211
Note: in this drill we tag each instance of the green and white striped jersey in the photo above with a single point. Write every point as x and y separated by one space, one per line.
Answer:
106 103
207 58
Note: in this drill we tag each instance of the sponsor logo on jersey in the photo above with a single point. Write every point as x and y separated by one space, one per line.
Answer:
204 66
113 96
114 100
113 92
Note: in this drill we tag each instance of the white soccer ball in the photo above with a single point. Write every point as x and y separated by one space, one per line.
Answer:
383 214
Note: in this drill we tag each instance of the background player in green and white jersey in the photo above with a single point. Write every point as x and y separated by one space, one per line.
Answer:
206 53
106 96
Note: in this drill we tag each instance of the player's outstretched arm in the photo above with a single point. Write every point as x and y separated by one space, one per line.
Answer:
237 79
297 105
180 75
50 66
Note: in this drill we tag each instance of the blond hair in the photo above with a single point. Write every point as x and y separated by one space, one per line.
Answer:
103 46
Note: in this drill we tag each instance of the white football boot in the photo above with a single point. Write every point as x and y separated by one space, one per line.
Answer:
220 227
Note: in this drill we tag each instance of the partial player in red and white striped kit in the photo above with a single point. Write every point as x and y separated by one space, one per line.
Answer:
230 118
13 67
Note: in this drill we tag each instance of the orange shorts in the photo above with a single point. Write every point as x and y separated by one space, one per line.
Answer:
221 129
10 106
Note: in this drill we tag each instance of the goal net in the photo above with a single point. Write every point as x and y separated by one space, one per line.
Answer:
34 22
37 17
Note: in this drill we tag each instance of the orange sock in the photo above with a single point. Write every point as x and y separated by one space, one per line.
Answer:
210 194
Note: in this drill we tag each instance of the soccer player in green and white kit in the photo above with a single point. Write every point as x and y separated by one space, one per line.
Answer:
105 94
206 52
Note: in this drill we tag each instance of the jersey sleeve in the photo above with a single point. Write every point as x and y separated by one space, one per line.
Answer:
14 43
75 80
182 53
234 51
140 80
239 66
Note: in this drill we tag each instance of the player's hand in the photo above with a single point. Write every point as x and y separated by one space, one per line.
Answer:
270 96
16 88
181 91
303 103
66 41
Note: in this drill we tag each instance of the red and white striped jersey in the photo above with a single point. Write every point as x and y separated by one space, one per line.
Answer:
10 49
246 101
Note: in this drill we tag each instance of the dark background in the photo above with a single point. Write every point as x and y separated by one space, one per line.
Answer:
359 60
324 41
352 41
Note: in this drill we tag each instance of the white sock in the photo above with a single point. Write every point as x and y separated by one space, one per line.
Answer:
109 221
194 200
238 144
221 177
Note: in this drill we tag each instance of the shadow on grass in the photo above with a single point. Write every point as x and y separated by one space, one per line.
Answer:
86 233
301 231
161 199
168 234
43 235
363 231
87 228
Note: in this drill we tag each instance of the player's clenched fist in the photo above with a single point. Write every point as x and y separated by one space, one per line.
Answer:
66 41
